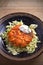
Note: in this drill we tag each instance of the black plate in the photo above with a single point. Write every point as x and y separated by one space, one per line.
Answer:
27 19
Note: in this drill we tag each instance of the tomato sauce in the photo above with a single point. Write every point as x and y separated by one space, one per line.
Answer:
19 38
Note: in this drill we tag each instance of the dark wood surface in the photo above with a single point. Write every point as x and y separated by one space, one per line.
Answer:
35 61
34 7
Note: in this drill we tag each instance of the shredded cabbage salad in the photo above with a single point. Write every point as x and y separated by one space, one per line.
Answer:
30 48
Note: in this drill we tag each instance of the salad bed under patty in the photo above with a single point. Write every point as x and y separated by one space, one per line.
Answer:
20 37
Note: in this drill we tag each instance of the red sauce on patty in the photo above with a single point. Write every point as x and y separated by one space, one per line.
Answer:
19 38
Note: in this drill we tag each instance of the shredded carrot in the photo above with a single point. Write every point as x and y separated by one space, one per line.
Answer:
18 38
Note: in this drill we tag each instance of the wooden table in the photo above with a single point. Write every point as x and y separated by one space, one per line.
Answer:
34 7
